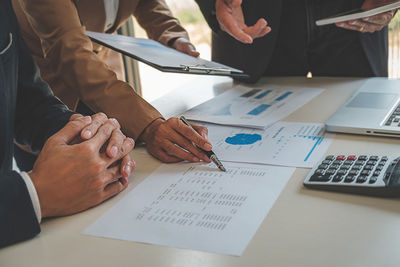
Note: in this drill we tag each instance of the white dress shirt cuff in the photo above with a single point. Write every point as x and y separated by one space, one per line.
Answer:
33 194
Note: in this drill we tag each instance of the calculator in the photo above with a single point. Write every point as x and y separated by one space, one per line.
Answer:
368 175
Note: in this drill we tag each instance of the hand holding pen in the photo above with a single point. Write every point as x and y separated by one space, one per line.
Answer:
210 153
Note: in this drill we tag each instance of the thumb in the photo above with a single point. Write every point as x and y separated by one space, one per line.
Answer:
71 130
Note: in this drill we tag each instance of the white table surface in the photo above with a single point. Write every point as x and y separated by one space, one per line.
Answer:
304 227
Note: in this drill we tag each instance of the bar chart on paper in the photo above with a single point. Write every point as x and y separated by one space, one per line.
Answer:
284 143
252 107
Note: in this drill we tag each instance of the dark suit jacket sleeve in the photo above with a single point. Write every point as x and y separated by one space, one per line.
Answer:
207 7
39 114
18 220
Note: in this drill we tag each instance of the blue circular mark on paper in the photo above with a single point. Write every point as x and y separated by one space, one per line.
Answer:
243 139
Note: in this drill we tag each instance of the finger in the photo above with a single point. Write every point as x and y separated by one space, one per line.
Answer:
125 149
115 188
191 153
191 50
380 19
115 143
127 166
365 26
203 131
102 134
239 34
193 136
257 29
349 27
75 116
71 130
98 119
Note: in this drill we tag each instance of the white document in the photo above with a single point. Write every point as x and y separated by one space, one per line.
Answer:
196 206
284 143
252 107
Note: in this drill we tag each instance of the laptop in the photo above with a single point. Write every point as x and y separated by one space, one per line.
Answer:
374 109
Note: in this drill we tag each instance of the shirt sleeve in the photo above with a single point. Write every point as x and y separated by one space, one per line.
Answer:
157 19
69 53
33 194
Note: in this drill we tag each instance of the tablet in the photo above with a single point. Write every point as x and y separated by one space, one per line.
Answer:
358 14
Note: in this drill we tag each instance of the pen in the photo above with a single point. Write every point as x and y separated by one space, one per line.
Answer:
210 153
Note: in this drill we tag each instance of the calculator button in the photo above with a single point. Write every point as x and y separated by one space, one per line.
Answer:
320 178
341 172
356 167
360 162
361 179
353 172
384 158
372 180
326 161
337 178
368 167
345 166
319 171
362 157
376 173
351 157
323 166
341 157
330 157
349 178
335 166
337 162
366 172
371 162
374 158
330 171
379 167
348 161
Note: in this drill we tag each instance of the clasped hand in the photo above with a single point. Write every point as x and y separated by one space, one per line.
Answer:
82 165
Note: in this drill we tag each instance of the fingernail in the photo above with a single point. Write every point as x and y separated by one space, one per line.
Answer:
87 119
87 134
207 146
114 151
133 163
114 121
128 169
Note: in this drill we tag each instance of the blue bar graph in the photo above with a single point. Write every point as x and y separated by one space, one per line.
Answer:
259 109
319 140
283 96
263 94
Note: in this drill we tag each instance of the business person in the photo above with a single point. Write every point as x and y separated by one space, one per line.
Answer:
77 69
279 38
72 173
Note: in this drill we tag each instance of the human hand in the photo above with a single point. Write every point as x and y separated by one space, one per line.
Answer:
172 141
114 143
185 46
370 24
72 178
231 20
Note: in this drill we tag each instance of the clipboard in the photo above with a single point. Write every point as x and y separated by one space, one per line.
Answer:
358 13
162 57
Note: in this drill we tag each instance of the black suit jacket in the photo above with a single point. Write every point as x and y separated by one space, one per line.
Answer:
29 113
254 59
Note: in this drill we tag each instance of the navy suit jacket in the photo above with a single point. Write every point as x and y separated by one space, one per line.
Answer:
29 113
254 59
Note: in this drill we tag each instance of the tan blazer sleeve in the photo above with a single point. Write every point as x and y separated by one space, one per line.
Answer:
156 18
70 53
